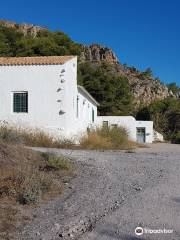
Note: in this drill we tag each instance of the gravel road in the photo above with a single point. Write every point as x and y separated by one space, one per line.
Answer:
114 192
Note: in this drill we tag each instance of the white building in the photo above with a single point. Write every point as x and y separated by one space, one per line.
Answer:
141 131
42 92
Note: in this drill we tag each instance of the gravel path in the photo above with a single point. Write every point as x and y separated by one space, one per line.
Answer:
113 193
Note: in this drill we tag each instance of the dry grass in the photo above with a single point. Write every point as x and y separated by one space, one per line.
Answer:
100 138
32 137
27 177
107 138
95 141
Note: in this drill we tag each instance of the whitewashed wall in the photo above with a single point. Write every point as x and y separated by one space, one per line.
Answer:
84 118
148 125
130 124
127 122
43 83
52 98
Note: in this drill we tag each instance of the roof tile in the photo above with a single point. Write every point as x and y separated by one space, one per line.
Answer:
43 60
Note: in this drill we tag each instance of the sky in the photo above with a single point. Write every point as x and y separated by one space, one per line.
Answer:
142 33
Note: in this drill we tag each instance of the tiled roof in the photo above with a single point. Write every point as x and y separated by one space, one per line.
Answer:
44 60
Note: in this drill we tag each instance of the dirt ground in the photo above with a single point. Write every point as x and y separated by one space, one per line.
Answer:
114 192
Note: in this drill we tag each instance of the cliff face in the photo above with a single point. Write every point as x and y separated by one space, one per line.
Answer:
27 29
98 53
145 89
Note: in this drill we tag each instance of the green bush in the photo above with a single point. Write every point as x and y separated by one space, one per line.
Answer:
176 137
57 162
30 195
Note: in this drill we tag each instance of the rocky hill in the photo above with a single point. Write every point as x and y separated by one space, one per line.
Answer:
27 29
145 87
98 53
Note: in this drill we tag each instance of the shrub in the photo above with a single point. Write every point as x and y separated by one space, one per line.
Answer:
95 141
27 186
176 137
30 195
27 182
117 135
106 138
9 134
57 162
65 143
37 138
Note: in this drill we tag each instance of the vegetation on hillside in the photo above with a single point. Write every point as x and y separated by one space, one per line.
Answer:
174 88
110 90
13 43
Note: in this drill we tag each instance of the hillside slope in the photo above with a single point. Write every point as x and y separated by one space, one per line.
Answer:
144 86
36 40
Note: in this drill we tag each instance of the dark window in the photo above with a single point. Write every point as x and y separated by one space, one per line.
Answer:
105 123
92 115
77 107
20 102
114 125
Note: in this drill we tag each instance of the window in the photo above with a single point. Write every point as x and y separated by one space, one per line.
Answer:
114 125
77 107
20 102
92 115
105 123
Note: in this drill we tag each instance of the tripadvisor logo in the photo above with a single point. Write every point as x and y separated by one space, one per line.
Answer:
139 231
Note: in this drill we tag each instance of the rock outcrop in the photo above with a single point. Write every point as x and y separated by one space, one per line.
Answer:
97 53
26 29
146 89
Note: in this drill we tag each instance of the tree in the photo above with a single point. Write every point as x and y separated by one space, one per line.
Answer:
110 90
173 87
148 72
13 43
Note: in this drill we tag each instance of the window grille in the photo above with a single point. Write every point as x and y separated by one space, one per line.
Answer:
20 102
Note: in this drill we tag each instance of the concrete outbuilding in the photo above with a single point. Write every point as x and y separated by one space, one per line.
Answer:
140 131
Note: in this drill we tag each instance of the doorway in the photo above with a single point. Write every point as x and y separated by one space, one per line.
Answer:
141 135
